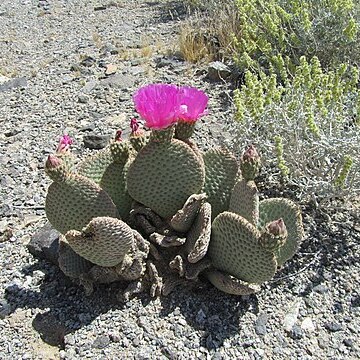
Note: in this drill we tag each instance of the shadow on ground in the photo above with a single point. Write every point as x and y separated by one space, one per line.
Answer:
69 309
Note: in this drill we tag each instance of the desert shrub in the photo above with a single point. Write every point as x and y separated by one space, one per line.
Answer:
310 123
327 29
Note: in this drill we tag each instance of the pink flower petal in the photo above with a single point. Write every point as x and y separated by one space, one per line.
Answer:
157 104
193 103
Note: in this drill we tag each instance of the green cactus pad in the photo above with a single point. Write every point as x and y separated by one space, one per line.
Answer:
71 263
164 175
72 203
105 241
244 200
235 249
221 169
114 183
94 166
229 284
273 209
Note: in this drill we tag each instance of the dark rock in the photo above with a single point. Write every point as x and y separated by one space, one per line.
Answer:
88 61
101 342
218 71
83 99
51 330
12 132
96 142
100 8
20 82
355 301
333 326
349 343
45 244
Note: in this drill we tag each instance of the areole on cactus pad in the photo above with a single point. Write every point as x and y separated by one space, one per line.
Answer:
155 211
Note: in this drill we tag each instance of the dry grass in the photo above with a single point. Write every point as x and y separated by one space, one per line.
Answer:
209 36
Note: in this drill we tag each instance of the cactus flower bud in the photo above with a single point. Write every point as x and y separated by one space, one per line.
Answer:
250 163
250 154
55 169
64 143
52 162
118 135
277 227
274 235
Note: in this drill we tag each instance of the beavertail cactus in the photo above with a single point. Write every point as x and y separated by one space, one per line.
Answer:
156 212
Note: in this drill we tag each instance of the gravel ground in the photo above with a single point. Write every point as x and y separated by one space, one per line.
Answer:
54 55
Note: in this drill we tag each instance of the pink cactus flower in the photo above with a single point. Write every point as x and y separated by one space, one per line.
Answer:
64 143
157 104
193 104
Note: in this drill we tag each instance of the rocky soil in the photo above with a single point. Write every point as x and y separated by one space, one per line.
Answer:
72 66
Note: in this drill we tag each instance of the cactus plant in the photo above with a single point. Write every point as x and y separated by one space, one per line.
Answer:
158 213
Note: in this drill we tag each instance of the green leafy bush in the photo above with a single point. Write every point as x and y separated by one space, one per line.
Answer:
310 122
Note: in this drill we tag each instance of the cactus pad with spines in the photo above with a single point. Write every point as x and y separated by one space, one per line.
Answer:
244 200
94 166
105 241
72 203
235 249
273 209
221 169
164 175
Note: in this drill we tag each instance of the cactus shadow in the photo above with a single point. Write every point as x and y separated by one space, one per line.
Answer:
216 315
65 308
65 304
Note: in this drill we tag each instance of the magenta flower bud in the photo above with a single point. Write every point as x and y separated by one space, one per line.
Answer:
118 135
64 143
134 125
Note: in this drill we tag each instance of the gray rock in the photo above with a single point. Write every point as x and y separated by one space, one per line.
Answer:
96 142
119 81
101 342
20 82
5 309
260 324
321 289
296 332
83 99
45 244
218 71
333 326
